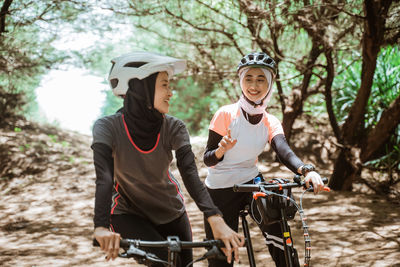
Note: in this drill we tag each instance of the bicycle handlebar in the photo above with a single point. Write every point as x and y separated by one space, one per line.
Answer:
271 186
133 248
125 243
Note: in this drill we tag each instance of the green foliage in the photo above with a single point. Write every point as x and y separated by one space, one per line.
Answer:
386 86
213 36
71 159
315 106
192 104
27 52
53 138
389 161
111 104
384 91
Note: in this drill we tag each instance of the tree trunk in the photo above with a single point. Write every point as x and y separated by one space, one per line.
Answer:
342 170
353 132
390 119
330 70
295 106
3 13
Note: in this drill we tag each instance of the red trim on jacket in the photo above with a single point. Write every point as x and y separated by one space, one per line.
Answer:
115 200
133 143
176 186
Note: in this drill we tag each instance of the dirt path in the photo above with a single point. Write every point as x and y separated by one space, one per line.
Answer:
46 215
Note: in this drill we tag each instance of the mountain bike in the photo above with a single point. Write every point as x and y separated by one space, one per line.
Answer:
274 203
134 248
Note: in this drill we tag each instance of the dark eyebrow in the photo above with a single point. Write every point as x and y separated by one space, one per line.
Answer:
249 75
163 81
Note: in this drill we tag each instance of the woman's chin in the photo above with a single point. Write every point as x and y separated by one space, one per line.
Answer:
254 98
162 110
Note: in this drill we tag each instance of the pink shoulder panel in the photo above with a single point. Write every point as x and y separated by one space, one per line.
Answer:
274 126
223 118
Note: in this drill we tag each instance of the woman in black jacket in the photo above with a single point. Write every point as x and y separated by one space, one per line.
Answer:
137 196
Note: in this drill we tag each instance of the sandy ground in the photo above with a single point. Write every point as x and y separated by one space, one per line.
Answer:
46 212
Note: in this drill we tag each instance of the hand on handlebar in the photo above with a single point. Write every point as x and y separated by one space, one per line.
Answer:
231 239
317 183
109 242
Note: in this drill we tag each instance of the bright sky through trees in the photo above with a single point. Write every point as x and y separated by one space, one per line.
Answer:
71 98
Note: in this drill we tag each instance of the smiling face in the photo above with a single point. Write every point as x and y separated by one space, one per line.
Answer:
162 93
254 84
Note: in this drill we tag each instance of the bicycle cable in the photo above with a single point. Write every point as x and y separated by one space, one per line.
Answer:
213 253
307 239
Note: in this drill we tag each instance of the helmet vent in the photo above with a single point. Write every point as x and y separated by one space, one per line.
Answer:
257 59
114 83
268 61
135 64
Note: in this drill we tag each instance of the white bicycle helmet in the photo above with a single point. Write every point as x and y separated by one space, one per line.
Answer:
140 65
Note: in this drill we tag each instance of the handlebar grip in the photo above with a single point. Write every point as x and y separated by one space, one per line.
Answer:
123 243
246 188
95 243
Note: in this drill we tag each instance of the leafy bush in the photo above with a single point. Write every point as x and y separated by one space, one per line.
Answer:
385 89
195 104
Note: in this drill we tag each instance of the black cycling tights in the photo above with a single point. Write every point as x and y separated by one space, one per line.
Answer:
135 227
230 203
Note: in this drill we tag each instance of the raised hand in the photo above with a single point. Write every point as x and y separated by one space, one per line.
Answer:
225 144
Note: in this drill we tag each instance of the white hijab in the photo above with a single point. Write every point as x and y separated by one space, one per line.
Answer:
260 107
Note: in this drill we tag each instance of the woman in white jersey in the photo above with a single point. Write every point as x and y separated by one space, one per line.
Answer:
137 196
238 133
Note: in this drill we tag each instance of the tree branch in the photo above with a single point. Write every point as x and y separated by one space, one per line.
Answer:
220 13
3 12
330 68
372 40
389 120
223 32
215 68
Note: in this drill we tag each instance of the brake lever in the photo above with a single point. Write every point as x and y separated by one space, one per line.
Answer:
297 179
214 253
133 251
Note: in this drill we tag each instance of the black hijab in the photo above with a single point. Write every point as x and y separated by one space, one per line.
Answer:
142 119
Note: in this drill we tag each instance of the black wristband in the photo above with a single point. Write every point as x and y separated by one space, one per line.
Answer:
307 168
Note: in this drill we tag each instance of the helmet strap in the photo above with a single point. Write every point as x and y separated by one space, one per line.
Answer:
252 103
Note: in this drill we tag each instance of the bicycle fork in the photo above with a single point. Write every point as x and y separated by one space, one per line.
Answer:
291 257
246 231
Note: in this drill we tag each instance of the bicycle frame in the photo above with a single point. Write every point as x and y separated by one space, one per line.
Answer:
260 190
288 243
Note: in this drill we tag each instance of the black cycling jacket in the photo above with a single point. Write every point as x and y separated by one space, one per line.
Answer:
104 167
